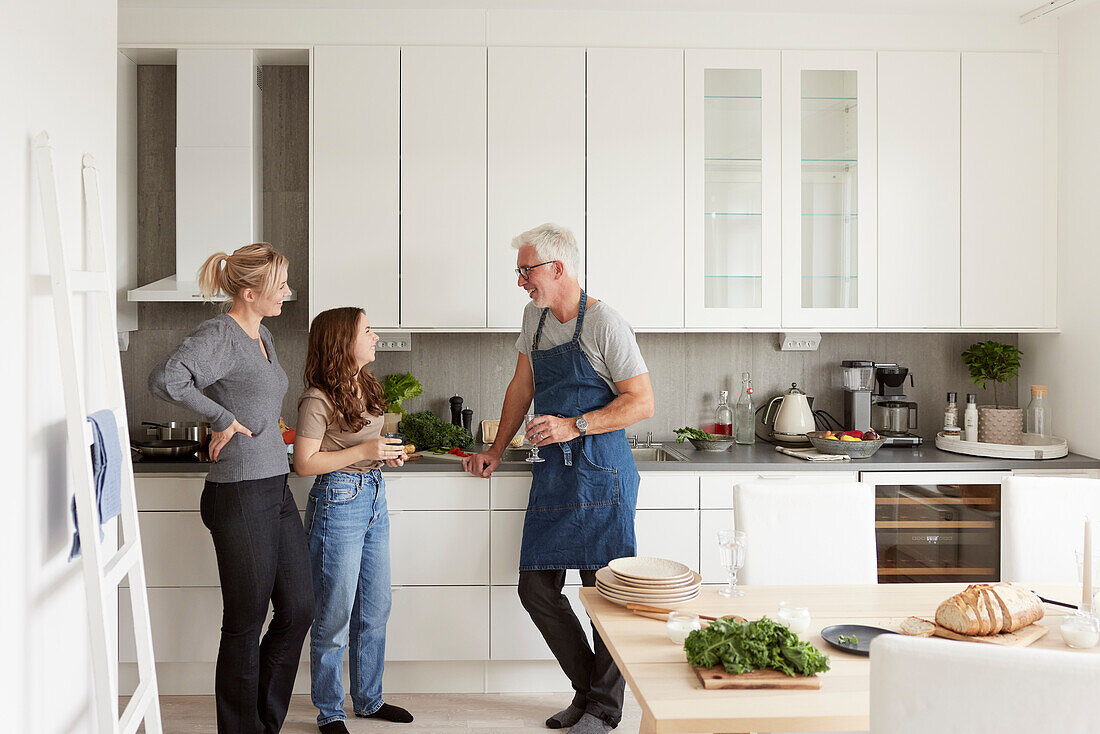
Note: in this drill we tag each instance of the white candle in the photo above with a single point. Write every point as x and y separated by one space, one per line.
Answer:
1086 576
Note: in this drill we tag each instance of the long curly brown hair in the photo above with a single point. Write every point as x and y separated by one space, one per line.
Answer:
331 368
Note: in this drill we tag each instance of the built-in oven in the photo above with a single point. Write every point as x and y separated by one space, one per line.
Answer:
937 526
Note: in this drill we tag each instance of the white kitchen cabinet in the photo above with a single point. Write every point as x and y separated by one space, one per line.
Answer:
536 160
355 233
450 491
672 534
186 625
509 492
918 189
716 489
183 554
512 634
414 631
829 189
732 189
441 548
505 536
635 183
443 179
1007 191
660 490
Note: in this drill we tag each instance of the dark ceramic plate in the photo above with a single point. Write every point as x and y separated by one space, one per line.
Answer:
862 632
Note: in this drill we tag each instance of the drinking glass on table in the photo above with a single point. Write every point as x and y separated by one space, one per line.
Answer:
731 551
534 458
1079 556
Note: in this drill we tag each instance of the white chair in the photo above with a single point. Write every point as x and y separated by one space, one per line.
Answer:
923 685
1042 523
807 533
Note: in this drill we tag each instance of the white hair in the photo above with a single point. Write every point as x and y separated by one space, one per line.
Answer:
553 242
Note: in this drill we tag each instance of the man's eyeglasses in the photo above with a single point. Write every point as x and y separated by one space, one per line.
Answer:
525 271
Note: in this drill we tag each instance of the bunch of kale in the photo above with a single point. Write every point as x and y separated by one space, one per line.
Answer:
429 433
742 647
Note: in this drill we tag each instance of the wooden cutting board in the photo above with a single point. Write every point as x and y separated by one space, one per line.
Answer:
1020 638
716 678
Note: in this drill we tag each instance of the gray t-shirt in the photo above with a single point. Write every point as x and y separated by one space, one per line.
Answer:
220 373
606 339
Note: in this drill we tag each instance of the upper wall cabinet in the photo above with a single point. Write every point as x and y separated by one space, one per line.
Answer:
829 189
732 189
1008 191
356 159
443 148
918 190
536 160
635 242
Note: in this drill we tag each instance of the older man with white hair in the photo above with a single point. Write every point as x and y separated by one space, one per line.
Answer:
579 361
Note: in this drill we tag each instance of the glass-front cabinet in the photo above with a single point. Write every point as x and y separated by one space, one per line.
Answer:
829 202
732 127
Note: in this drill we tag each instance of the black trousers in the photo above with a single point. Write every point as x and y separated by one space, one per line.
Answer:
263 558
599 686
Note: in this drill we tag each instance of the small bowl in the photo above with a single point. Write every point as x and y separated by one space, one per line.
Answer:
704 445
854 449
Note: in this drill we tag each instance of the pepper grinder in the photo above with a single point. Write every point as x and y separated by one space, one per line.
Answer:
468 420
456 410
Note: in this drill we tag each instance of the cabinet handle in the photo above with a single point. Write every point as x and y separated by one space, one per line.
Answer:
393 513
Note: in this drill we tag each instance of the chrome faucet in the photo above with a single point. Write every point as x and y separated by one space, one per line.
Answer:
649 439
633 441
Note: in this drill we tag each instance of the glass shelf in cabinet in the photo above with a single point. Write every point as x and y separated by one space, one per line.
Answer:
827 214
756 277
733 214
830 277
731 96
746 160
830 160
830 99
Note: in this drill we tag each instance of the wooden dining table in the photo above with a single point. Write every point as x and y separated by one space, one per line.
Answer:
672 698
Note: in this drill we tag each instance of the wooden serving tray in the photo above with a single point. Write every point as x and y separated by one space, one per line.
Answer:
1057 448
1020 638
717 678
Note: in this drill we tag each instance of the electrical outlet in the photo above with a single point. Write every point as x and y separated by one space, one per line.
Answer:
397 341
801 342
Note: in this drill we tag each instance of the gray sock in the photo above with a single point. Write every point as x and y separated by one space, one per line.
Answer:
565 718
589 724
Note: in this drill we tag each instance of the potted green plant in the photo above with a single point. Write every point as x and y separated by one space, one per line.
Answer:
397 389
996 362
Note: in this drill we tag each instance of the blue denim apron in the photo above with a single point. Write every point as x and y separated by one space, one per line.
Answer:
581 510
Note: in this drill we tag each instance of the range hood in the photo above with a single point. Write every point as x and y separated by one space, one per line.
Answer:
219 194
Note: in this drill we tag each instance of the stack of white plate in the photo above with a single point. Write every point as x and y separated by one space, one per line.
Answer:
644 580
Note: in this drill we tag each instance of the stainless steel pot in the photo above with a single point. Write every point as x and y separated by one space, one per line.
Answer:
198 431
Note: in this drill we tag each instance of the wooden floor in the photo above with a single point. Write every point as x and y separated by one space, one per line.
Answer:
489 713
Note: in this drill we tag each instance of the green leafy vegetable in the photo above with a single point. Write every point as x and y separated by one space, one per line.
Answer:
742 647
847 639
686 432
398 388
429 433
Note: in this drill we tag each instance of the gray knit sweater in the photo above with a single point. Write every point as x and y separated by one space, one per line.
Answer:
220 373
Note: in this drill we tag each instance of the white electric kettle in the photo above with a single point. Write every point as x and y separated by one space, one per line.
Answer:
793 418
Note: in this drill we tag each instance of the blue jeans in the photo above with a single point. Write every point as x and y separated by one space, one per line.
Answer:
349 548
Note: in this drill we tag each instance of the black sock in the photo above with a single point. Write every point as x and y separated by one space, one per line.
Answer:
334 727
390 713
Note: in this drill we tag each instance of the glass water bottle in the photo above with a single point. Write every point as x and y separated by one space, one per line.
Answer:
744 417
1038 414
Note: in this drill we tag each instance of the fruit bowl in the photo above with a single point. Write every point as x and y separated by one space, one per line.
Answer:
855 449
719 445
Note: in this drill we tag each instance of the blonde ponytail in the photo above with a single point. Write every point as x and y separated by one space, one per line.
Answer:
256 266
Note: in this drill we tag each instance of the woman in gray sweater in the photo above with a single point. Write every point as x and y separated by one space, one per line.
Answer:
227 371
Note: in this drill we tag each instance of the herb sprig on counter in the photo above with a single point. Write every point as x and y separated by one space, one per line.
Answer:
686 432
430 433
742 647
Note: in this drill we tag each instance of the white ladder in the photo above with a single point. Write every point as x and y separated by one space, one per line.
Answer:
104 568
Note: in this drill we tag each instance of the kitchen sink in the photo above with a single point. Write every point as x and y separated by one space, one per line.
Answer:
641 453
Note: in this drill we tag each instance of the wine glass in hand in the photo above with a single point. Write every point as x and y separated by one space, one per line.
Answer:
534 458
731 550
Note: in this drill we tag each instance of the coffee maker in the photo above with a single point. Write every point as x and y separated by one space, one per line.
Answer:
874 397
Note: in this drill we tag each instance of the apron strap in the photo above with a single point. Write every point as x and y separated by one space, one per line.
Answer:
538 332
580 318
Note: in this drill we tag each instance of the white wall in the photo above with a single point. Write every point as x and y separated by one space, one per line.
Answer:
291 27
57 72
1066 362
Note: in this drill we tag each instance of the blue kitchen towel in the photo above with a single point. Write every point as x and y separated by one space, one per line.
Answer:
106 473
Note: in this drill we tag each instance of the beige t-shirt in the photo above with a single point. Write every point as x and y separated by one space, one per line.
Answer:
317 419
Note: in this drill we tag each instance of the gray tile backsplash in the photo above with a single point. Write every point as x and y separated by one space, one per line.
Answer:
687 370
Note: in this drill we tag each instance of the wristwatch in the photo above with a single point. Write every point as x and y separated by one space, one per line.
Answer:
582 425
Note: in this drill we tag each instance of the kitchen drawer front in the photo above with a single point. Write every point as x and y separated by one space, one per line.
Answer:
668 491
438 492
716 492
439 548
178 550
183 491
509 493
710 522
512 634
505 534
672 534
415 631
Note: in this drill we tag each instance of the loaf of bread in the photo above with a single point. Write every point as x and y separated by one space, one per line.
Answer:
982 609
